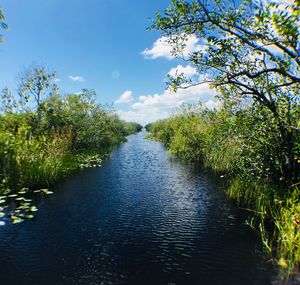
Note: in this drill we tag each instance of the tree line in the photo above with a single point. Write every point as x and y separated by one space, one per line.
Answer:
45 136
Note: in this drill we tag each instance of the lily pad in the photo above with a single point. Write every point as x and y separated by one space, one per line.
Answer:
47 192
20 199
17 220
29 216
23 207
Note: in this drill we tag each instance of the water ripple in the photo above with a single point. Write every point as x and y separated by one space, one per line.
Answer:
143 218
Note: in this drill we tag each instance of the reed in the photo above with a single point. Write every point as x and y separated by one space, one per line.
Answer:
248 154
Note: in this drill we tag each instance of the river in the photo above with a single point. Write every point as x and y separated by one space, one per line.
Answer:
144 217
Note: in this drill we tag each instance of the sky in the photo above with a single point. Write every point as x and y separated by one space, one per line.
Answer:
102 45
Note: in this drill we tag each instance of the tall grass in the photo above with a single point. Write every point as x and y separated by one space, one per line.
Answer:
248 154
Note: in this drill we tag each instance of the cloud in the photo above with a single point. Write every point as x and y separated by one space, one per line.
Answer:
143 117
57 79
158 106
163 48
126 97
76 78
170 99
188 71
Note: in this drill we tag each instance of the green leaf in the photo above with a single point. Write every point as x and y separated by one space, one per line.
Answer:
29 216
17 220
33 209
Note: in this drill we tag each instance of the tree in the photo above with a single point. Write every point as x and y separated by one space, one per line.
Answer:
7 100
35 85
252 54
3 25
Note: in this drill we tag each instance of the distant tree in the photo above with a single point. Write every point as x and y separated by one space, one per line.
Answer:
36 84
3 24
7 101
252 54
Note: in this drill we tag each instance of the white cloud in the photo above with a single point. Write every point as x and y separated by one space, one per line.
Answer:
188 71
158 106
160 48
169 99
143 117
126 97
163 48
57 79
76 78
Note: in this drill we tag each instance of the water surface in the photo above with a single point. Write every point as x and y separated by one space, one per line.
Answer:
144 217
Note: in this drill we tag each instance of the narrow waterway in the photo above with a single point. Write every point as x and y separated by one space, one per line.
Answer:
144 217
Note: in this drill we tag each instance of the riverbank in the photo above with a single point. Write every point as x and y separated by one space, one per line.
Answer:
39 148
248 156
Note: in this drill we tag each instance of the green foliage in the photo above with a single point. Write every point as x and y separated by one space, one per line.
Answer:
35 84
40 146
252 58
247 152
131 128
32 154
287 221
162 131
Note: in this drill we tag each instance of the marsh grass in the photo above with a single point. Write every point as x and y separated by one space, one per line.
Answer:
223 145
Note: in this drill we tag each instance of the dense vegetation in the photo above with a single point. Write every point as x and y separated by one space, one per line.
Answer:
45 136
251 57
248 156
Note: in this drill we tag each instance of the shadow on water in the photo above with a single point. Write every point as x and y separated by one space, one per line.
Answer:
144 217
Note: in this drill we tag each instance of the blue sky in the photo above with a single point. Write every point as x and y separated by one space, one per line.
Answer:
99 44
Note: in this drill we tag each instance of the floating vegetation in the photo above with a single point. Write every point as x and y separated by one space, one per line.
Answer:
16 219
23 191
90 161
18 207
46 191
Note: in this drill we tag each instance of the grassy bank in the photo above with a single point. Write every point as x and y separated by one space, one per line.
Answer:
41 145
249 155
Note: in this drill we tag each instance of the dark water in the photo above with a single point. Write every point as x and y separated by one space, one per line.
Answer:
143 218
